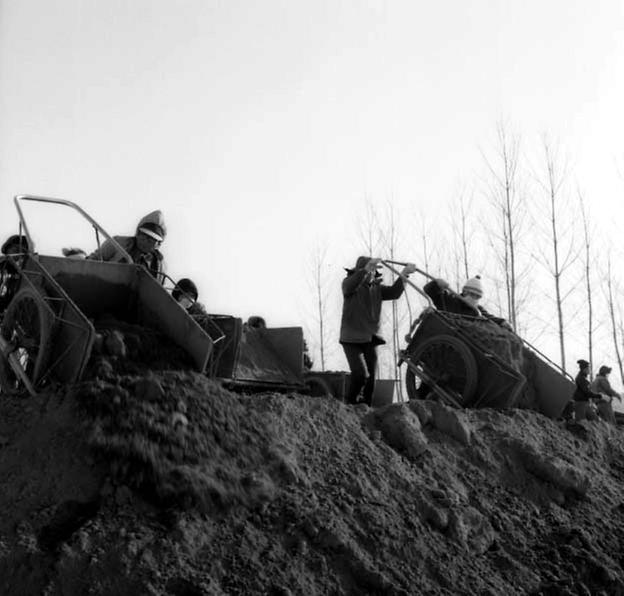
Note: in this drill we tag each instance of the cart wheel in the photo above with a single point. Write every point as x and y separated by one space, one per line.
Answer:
318 387
27 325
9 280
450 363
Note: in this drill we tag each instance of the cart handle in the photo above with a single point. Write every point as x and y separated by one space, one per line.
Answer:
388 264
94 223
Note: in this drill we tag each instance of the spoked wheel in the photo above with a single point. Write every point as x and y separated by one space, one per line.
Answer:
450 364
9 280
27 326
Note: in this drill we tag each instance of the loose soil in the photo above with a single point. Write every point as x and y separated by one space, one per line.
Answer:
148 481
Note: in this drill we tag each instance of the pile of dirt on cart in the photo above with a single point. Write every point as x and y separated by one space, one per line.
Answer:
165 484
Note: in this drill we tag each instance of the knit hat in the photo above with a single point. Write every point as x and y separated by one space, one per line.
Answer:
582 363
604 370
153 231
474 285
185 286
153 225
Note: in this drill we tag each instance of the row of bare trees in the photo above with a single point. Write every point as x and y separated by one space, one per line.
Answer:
522 224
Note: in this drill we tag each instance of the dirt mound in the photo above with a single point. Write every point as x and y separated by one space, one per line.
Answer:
167 484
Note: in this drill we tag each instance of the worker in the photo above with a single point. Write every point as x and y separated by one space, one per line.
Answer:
185 292
583 394
363 294
256 322
9 273
602 386
142 247
465 303
15 245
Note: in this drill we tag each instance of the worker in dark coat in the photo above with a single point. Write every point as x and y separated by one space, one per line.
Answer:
602 386
466 303
363 294
583 394
142 247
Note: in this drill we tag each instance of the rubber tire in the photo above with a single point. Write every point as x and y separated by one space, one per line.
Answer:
462 351
45 323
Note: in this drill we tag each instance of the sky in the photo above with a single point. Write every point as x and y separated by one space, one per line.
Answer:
261 128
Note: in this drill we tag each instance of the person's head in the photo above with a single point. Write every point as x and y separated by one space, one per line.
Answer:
185 292
361 262
604 371
472 291
151 232
256 322
15 245
583 366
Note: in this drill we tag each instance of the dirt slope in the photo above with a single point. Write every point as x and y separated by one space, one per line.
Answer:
167 484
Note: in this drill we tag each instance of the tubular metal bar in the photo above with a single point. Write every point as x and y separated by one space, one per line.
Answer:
402 264
554 364
420 372
94 223
407 281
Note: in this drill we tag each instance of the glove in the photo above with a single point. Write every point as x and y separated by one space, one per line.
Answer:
409 268
442 283
372 265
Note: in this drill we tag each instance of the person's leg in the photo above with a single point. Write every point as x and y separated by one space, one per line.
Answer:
370 357
580 410
357 366
605 411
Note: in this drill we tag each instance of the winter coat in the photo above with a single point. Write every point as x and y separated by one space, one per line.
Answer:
601 385
583 390
152 261
361 310
448 301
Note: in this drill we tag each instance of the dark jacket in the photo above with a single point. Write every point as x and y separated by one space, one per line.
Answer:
583 390
361 309
448 301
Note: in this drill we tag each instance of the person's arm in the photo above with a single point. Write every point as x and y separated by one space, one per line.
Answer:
584 387
498 320
605 387
106 252
394 291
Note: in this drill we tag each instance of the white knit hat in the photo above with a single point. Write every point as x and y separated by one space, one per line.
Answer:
474 285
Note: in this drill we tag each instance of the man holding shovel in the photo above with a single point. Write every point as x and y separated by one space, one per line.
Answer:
363 294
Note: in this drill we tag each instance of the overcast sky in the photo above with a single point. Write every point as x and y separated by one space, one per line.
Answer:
260 127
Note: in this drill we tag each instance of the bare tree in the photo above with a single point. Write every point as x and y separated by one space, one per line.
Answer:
461 228
319 284
505 196
587 275
368 228
559 236
612 317
390 236
505 193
